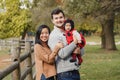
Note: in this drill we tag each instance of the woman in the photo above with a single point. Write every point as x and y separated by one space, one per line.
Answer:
44 58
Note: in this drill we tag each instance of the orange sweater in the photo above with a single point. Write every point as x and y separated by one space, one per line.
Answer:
44 61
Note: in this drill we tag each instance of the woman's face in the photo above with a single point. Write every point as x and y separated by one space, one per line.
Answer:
44 36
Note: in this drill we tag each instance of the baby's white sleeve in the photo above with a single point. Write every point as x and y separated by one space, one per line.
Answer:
77 35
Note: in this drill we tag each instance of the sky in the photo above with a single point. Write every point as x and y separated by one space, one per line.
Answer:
29 0
23 6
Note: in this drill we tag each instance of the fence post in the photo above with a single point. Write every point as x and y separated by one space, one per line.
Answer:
15 55
29 59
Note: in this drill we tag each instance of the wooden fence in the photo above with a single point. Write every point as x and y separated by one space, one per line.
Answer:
17 58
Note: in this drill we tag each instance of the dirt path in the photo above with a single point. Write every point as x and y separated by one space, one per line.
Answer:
4 61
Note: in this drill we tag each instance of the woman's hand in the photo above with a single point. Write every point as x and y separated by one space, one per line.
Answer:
57 47
60 45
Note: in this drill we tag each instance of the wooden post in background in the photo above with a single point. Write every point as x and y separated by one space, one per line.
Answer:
29 59
15 55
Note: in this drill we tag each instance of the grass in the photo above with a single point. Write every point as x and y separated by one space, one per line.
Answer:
117 38
93 38
98 38
4 52
100 64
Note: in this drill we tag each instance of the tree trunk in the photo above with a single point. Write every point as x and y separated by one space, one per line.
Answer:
108 41
24 34
103 38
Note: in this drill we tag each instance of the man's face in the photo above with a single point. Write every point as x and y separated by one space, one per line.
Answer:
58 20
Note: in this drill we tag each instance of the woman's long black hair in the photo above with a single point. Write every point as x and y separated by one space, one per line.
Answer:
38 33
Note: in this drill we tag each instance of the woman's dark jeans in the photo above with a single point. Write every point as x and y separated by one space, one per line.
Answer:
69 75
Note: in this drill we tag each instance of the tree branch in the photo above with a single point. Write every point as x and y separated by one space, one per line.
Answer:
117 7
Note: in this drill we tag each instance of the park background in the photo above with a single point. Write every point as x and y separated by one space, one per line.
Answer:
98 20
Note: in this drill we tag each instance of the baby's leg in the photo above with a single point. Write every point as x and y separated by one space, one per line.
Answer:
75 52
80 60
73 57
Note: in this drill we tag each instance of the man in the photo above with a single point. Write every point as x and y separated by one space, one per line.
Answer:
65 69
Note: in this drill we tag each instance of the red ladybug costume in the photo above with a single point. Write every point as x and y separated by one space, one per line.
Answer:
69 38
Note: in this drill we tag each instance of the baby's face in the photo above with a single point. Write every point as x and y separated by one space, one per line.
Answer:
67 26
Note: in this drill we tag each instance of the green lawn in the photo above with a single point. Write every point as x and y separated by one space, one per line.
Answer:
97 64
100 64
98 38
4 52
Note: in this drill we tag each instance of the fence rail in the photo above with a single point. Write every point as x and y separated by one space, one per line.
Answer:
16 58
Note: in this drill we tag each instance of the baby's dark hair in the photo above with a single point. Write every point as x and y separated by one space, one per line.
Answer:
69 21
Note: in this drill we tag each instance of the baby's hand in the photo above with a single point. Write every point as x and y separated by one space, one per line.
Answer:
79 41
77 50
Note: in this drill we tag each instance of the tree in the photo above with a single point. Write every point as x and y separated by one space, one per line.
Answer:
107 11
15 20
103 11
41 11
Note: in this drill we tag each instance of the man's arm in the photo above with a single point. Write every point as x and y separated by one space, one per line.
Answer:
79 37
63 52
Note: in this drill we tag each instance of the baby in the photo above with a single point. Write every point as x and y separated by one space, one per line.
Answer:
69 33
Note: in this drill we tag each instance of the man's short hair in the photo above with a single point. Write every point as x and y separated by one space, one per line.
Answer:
56 11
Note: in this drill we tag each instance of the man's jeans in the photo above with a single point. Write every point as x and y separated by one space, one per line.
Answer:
69 75
51 78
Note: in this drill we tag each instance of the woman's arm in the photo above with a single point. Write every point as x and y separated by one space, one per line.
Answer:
44 55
